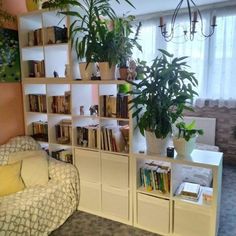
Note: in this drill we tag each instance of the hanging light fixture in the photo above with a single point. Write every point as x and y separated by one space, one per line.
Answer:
194 14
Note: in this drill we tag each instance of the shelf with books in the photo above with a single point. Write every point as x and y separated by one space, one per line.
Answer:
60 129
33 62
153 177
199 201
86 132
114 106
29 23
114 136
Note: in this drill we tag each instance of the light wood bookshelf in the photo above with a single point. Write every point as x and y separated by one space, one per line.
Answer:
109 185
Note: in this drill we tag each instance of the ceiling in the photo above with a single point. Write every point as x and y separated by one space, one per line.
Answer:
150 6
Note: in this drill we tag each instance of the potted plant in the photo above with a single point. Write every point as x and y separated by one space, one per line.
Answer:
89 32
160 98
123 28
184 141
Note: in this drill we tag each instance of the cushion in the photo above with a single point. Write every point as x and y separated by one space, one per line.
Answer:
18 156
34 169
10 179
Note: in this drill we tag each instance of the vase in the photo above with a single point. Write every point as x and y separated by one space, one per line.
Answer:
184 148
156 145
106 72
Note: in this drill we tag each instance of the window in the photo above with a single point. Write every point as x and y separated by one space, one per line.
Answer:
213 60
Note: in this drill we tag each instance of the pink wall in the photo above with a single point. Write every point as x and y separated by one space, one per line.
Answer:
11 112
11 109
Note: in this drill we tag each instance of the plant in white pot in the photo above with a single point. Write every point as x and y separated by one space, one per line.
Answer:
184 141
91 36
160 99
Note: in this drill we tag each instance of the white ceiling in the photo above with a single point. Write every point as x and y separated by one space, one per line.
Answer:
150 6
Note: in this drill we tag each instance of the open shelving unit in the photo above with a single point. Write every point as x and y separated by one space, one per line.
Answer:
104 173
181 216
109 176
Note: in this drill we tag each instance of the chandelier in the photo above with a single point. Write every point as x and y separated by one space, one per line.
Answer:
194 16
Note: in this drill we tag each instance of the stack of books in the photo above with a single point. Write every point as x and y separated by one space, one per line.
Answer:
115 138
37 103
189 191
61 104
36 68
40 130
87 136
64 131
111 106
63 155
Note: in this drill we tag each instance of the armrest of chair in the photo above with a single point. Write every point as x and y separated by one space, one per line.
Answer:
65 173
62 171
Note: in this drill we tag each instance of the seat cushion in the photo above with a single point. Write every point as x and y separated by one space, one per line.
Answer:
34 169
10 179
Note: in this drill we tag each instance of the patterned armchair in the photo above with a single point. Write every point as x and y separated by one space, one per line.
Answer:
38 210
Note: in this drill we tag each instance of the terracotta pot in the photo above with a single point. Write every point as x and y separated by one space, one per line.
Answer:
106 72
156 145
123 73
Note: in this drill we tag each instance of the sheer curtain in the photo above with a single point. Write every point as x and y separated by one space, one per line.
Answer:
213 60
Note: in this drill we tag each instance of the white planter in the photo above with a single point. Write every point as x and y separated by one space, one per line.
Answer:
86 72
155 145
184 148
106 72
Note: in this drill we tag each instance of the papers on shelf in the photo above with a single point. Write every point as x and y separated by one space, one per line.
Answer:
189 191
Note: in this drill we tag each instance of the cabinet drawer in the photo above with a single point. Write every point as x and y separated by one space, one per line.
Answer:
153 213
191 220
88 164
115 170
90 196
115 202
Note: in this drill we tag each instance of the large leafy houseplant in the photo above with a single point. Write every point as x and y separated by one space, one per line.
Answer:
162 96
89 31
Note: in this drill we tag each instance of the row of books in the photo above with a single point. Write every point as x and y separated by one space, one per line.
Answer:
35 37
61 104
36 68
63 155
155 177
87 136
64 131
114 138
111 106
40 130
37 103
52 35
